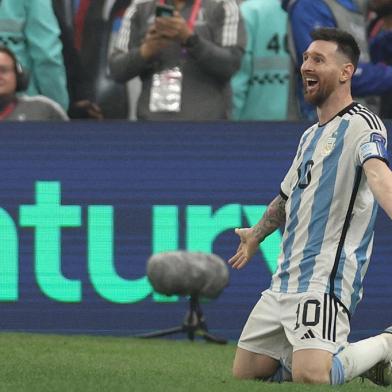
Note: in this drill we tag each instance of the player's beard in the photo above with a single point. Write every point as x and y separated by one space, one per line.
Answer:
321 95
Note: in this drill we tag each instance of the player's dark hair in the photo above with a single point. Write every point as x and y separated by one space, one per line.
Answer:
345 41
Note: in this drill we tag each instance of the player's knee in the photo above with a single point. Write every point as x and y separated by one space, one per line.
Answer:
311 375
249 372
241 373
248 365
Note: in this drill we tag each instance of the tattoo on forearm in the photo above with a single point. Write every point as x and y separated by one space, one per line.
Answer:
274 217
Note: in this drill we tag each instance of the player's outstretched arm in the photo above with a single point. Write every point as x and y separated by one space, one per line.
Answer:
379 178
250 238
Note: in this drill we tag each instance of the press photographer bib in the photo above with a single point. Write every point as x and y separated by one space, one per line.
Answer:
166 86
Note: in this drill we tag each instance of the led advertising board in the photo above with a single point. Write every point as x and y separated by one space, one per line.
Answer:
84 205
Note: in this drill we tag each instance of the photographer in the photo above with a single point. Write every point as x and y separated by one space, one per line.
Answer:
185 57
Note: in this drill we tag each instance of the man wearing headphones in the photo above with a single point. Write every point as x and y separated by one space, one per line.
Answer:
22 108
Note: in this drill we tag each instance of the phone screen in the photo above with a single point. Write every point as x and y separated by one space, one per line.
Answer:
164 10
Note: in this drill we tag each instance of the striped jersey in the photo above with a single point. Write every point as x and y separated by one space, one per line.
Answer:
330 209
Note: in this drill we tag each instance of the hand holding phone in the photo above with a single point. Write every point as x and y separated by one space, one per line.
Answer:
153 43
164 10
170 24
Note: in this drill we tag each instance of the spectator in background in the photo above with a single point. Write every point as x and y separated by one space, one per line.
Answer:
80 107
87 30
185 61
261 86
30 29
370 80
19 108
380 39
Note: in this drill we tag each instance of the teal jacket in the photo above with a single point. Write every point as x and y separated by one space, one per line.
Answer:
261 87
30 29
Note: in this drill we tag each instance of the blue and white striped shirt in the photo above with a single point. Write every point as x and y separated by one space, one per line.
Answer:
330 210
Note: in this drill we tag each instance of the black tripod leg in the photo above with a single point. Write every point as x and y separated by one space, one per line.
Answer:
163 332
213 339
194 325
202 329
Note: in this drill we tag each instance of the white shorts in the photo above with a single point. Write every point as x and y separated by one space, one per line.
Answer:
282 323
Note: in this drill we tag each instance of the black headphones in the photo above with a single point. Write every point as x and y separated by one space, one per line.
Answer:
22 76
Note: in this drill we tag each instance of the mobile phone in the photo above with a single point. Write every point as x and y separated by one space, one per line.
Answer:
164 10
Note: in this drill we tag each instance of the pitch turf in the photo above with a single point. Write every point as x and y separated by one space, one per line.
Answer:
78 363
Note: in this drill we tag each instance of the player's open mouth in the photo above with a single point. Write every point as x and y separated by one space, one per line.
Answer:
311 84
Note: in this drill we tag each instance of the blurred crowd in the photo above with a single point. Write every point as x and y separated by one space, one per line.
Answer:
190 60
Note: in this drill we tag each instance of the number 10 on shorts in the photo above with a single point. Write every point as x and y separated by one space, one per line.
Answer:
310 313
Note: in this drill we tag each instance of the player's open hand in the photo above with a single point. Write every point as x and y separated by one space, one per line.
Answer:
246 250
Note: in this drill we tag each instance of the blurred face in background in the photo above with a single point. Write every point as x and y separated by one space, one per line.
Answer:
7 75
381 7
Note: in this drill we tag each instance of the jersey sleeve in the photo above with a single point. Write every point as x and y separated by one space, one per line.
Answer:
371 142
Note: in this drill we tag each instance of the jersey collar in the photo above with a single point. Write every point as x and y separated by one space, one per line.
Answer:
340 114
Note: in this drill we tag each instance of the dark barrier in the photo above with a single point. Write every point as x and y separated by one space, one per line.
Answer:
83 206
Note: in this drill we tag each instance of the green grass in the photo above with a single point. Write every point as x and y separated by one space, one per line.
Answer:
78 363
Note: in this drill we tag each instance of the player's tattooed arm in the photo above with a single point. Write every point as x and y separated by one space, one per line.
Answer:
274 217
250 238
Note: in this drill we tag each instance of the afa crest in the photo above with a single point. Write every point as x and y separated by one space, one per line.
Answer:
329 146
